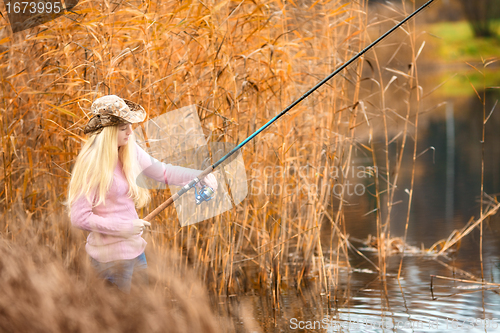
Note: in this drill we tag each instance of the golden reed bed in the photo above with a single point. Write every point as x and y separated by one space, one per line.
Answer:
240 62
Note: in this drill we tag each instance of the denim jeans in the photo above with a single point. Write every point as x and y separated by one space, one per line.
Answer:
122 272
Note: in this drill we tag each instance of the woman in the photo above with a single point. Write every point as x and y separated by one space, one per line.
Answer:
103 192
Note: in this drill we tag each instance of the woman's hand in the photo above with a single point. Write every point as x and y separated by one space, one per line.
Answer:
139 226
210 181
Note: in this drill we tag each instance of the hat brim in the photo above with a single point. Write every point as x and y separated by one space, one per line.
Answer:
137 113
99 121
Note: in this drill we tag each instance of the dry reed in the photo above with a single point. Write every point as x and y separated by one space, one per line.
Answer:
40 294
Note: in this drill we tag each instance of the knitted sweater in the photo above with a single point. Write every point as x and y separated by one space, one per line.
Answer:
108 222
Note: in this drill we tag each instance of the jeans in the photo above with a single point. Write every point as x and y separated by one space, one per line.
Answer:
122 272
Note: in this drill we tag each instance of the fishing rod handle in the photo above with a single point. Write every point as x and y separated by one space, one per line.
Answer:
177 195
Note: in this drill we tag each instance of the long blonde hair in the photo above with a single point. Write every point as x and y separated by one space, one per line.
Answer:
94 167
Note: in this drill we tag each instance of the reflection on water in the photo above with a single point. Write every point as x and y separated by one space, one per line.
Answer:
446 196
404 305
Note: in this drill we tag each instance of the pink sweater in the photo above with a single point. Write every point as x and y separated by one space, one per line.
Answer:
107 222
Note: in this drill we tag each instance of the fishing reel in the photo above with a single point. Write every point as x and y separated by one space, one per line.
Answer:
205 193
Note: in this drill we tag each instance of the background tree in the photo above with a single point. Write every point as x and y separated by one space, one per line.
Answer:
480 14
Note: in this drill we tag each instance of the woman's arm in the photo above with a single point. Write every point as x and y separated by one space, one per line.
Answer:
82 217
162 172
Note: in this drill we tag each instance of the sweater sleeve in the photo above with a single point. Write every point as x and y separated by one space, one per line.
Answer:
82 217
162 172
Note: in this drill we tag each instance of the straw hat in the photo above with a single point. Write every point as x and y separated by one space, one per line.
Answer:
112 110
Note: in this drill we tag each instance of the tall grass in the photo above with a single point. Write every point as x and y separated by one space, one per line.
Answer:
241 62
40 293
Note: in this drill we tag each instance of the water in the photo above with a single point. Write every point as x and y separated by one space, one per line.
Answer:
368 304
446 197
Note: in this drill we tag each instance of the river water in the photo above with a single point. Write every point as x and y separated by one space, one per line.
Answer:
446 196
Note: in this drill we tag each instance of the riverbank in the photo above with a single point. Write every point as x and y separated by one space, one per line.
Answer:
462 59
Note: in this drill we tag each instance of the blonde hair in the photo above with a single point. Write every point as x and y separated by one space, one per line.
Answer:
95 165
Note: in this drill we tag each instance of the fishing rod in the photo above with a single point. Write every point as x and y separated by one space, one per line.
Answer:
206 193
